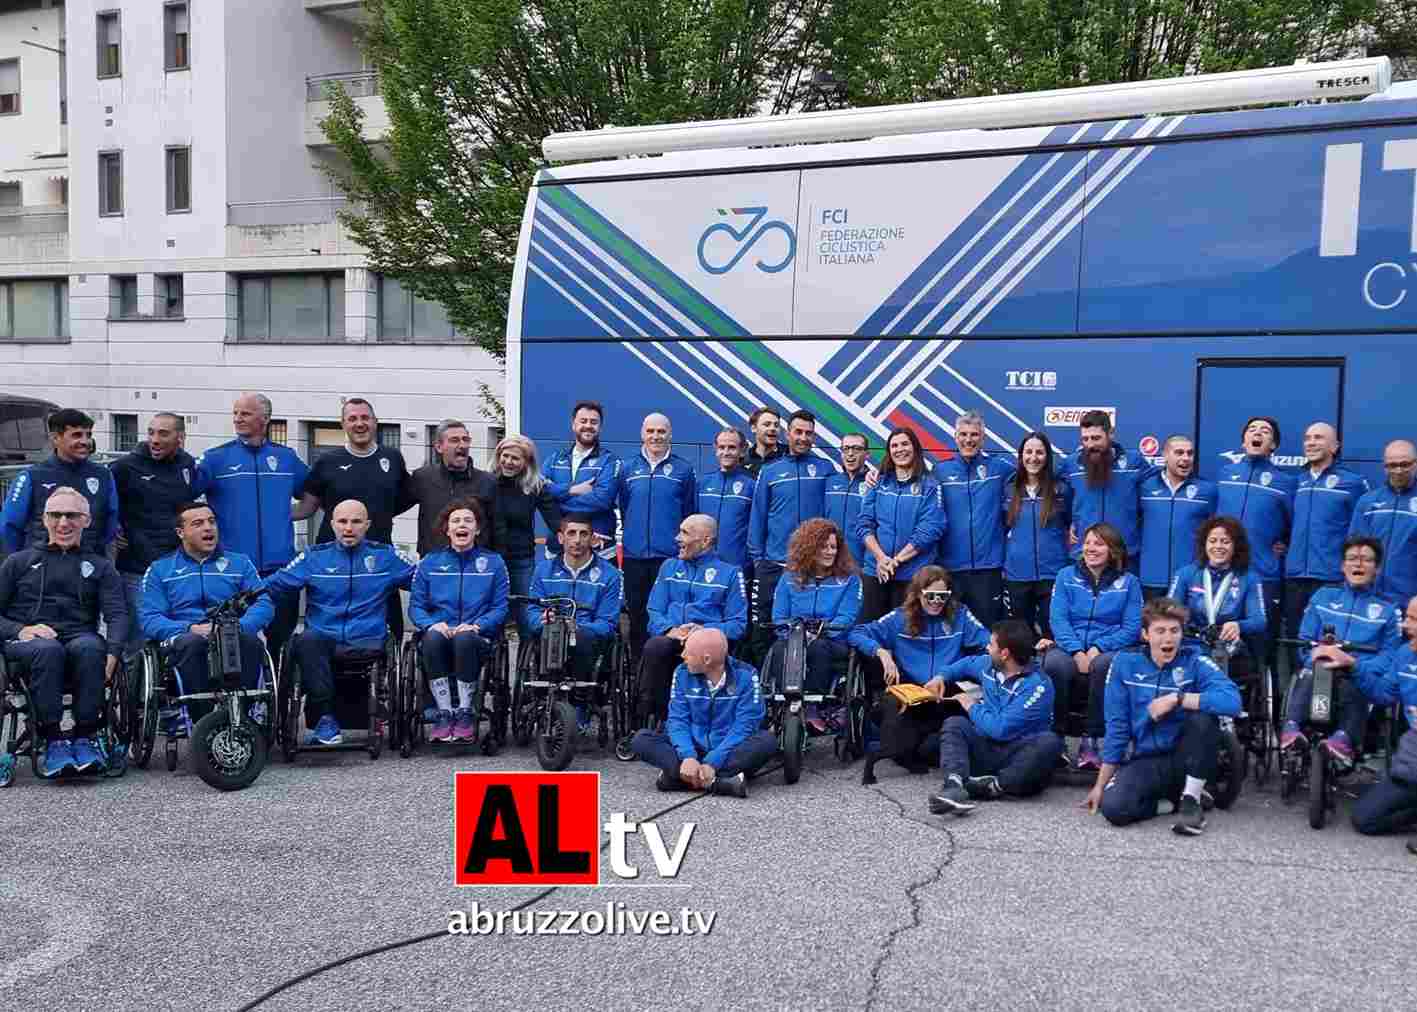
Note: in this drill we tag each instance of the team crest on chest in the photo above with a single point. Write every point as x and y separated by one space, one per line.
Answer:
737 487
1190 491
594 575
369 563
86 569
271 462
709 574
1412 504
1266 479
812 470
221 565
1374 610
1122 461
982 471
1331 481
1120 583
186 476
1178 675
92 485
384 464
668 468
482 565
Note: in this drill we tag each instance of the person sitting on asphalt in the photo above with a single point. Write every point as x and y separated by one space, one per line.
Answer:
698 590
1390 805
459 603
595 585
51 598
714 738
1219 589
1360 615
820 585
1003 745
177 592
1165 703
347 584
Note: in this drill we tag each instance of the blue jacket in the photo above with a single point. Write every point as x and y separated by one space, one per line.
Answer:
706 591
902 513
597 589
1135 681
1037 552
844 495
250 489
923 656
602 469
1169 522
1243 602
66 589
791 489
1399 684
178 591
1011 708
460 588
708 725
22 520
346 589
1106 615
1323 512
835 600
974 494
653 502
149 492
1357 616
728 498
1392 519
1261 496
1117 503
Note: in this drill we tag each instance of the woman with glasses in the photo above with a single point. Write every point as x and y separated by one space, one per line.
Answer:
913 645
902 520
1037 511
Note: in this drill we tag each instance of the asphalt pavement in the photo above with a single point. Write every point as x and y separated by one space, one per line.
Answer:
154 891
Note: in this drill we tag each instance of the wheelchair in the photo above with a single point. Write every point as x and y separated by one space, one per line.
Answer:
229 745
364 685
412 698
19 735
1254 726
786 699
546 698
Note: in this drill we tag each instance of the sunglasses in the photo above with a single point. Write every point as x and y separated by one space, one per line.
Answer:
936 596
57 516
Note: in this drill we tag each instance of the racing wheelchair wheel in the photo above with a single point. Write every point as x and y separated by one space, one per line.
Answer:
498 718
523 715
794 744
142 711
1230 771
288 705
227 757
1318 786
556 736
405 714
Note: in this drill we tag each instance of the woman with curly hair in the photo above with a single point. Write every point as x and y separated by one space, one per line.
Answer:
820 585
1218 589
914 644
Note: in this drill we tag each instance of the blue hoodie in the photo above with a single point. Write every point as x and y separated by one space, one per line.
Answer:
1169 522
1105 614
706 591
1135 681
1011 708
901 513
602 469
1261 496
178 591
791 488
708 725
653 502
249 488
1034 551
929 653
974 492
1117 503
346 589
1243 601
1323 512
22 520
1391 517
844 495
597 589
1357 616
460 588
835 600
728 498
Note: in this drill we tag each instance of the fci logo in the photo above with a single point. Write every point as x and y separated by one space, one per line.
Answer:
744 239
1031 379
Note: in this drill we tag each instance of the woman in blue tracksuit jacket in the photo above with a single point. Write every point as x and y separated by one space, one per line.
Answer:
1038 508
901 521
459 603
1096 611
1219 589
916 643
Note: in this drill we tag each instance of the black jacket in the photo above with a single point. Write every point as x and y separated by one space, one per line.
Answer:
433 486
514 520
66 589
149 492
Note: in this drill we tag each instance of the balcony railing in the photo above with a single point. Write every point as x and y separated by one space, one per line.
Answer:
33 220
359 84
300 211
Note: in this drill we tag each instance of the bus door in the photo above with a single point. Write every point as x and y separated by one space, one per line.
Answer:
1296 392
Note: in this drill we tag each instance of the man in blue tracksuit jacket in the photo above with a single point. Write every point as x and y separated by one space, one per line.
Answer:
1003 746
585 478
596 586
1106 483
180 588
1165 702
1174 503
1389 514
845 491
1391 805
714 737
347 583
727 495
22 520
975 486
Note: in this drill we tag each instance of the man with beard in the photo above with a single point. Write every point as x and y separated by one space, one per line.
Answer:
762 426
448 476
1106 485
585 478
1389 514
1174 503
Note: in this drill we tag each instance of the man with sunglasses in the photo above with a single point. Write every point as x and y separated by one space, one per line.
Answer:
1389 514
51 599
846 489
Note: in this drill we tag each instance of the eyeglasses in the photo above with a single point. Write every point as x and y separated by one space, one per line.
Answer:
853 449
936 596
1400 465
57 516
1369 557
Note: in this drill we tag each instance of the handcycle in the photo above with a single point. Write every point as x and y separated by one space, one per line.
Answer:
786 699
1253 728
410 706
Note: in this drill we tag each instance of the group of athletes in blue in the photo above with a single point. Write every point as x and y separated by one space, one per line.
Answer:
982 592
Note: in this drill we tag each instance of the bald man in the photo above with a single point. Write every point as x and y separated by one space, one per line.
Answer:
657 491
1389 514
347 583
697 590
714 738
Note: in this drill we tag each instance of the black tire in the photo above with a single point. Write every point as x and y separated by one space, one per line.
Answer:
500 719
523 714
171 755
1230 776
398 711
794 742
556 736
1318 787
856 705
288 707
143 690
226 758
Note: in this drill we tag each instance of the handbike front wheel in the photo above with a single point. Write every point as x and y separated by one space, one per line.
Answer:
556 736
1318 787
227 757
794 743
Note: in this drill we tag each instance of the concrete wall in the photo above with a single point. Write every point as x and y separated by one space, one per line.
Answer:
36 130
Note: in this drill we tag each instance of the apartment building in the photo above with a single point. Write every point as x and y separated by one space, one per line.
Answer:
168 232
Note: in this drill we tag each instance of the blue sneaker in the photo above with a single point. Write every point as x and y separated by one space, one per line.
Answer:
7 770
58 757
173 726
87 757
327 732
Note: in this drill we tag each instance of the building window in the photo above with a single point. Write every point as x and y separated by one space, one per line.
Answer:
122 296
404 316
175 35
169 296
124 432
276 431
9 87
34 309
179 179
291 307
10 195
110 182
390 436
110 39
